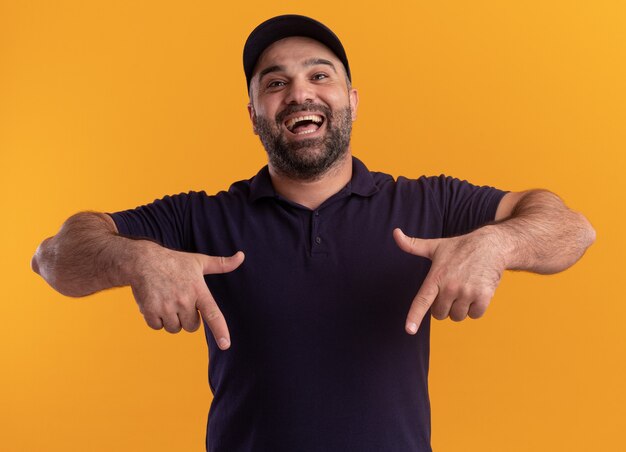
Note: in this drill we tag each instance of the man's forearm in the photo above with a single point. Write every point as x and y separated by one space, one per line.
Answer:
542 235
85 256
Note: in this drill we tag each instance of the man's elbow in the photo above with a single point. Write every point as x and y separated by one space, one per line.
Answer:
34 265
38 262
43 263
590 232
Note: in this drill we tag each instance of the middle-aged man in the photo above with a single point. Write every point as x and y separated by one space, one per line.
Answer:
319 312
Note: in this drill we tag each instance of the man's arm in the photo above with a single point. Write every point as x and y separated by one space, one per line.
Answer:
539 233
81 258
88 255
533 231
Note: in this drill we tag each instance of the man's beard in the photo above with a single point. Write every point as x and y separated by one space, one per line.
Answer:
306 159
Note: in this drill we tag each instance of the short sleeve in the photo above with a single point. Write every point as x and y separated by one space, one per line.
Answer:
164 221
463 206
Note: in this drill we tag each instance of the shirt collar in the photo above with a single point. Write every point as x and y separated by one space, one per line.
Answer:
362 182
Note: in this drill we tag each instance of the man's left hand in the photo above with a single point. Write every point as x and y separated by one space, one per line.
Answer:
463 276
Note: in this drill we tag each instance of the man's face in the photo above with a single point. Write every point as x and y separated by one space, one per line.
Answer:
301 107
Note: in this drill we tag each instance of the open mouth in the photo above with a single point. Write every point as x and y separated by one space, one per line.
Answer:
305 124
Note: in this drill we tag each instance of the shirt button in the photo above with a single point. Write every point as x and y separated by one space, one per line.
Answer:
317 214
318 240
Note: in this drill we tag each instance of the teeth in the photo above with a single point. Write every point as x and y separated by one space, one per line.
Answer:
293 121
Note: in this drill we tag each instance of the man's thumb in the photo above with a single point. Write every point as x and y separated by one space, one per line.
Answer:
413 245
220 264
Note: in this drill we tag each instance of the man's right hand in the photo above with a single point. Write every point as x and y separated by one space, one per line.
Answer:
170 289
88 255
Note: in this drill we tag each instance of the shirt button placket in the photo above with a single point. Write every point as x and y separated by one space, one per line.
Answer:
316 239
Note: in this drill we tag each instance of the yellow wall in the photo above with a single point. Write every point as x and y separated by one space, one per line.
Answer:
108 105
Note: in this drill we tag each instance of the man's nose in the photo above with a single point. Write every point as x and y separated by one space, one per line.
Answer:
300 91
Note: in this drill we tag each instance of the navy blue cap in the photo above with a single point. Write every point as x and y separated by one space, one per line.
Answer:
280 27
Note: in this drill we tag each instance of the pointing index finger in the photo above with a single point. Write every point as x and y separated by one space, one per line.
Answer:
421 304
210 312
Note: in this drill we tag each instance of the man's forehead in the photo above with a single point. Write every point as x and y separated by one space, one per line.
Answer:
294 49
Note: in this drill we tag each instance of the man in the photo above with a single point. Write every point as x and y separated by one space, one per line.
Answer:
319 312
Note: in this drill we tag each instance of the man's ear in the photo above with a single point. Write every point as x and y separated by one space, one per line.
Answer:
354 102
252 114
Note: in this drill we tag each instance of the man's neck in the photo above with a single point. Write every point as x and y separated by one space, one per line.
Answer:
313 193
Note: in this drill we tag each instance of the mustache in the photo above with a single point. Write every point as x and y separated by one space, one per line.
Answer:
295 108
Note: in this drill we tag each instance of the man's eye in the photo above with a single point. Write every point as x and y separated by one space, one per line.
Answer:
320 76
276 84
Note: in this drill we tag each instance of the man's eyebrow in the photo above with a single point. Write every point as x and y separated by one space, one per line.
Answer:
267 70
316 61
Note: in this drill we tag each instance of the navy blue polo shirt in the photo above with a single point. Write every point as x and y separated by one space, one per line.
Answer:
319 360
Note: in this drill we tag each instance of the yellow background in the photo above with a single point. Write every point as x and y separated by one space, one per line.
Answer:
109 105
